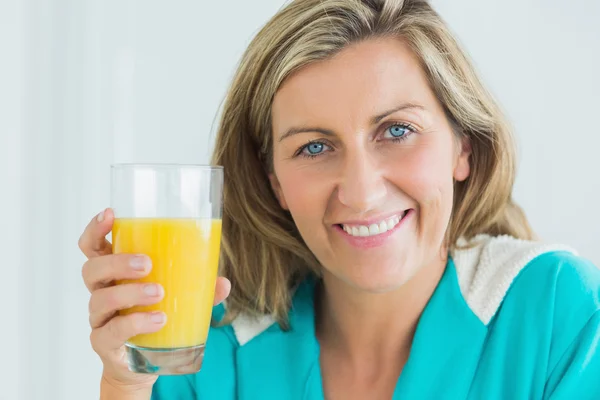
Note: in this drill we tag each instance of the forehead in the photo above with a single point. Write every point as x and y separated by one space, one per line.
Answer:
360 81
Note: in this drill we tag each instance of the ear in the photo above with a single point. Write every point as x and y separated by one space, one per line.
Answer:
462 168
278 192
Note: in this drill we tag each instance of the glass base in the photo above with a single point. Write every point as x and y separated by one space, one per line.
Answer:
176 361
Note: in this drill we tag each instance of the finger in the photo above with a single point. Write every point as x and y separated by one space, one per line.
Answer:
222 289
119 329
99 272
93 239
106 301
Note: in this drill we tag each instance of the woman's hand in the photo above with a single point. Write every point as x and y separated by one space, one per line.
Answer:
110 330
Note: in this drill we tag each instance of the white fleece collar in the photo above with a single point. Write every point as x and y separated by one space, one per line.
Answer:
485 272
487 269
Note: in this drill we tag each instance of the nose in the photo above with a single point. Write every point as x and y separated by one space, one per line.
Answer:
362 186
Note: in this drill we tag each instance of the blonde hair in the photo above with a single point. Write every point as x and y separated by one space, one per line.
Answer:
263 253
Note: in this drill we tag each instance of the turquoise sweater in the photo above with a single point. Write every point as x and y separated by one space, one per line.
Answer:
539 338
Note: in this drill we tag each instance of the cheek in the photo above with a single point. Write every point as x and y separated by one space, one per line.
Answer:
306 193
426 176
424 173
427 180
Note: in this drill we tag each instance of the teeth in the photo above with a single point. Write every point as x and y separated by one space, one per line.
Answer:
391 223
373 229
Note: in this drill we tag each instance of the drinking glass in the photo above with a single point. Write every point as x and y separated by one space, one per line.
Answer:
172 214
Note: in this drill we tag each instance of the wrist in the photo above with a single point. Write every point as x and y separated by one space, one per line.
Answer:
114 390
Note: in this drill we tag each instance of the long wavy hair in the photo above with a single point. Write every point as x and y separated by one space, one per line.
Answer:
263 253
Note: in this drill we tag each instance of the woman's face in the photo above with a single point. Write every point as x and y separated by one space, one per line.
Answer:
364 160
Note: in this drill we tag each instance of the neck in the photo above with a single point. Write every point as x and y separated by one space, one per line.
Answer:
364 326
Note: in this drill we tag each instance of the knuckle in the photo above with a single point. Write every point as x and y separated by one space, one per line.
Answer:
94 340
104 300
115 264
114 328
91 306
139 322
81 243
92 303
85 272
124 327
116 261
112 300
134 324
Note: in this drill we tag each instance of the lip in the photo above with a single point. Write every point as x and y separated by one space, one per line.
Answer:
369 242
373 220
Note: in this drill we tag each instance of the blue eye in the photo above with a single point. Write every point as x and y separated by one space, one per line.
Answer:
315 148
398 131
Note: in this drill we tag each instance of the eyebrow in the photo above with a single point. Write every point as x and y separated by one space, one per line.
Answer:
404 106
374 120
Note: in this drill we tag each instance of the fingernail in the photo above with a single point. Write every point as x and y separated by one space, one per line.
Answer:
139 263
153 290
100 217
158 317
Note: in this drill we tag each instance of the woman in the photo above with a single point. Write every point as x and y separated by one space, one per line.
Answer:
371 244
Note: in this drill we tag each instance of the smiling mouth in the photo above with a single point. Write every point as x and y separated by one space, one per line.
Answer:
374 229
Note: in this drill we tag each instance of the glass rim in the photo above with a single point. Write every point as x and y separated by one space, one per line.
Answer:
165 166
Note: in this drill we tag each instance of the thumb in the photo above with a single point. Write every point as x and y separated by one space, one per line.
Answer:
222 289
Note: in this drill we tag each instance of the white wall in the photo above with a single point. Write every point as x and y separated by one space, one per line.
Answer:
541 59
85 83
11 79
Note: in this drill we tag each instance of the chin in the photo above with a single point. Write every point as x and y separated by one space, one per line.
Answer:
381 281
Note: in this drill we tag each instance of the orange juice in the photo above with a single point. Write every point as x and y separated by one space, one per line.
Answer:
185 255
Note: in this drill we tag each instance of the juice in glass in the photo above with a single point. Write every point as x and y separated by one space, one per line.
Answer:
185 256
